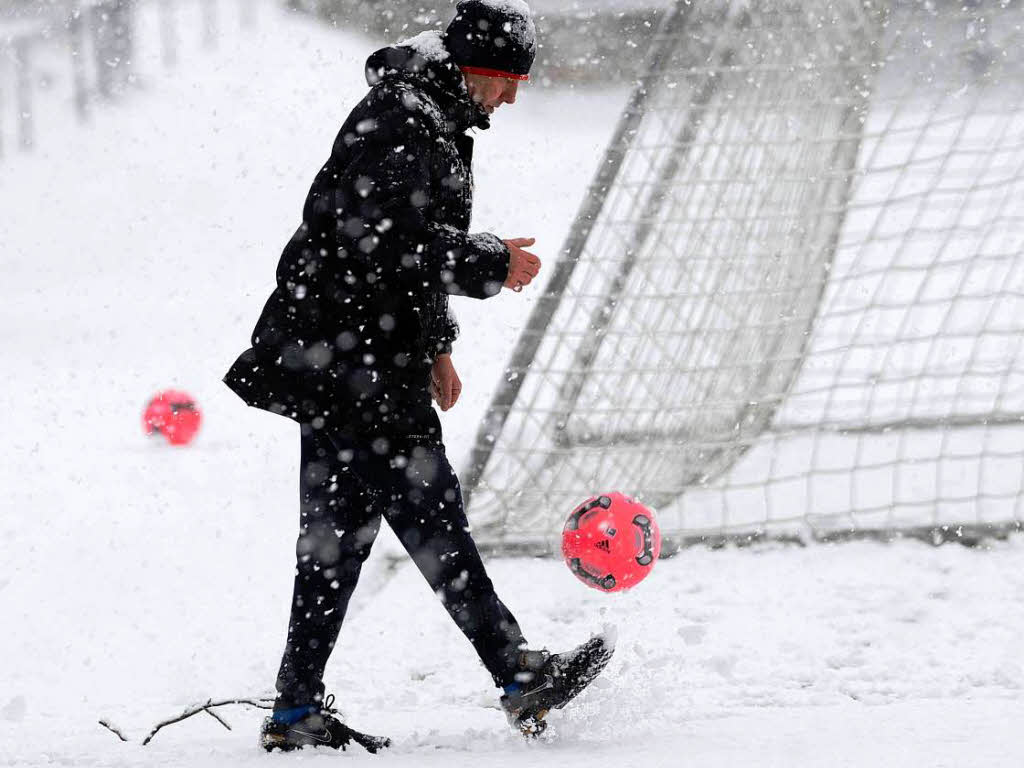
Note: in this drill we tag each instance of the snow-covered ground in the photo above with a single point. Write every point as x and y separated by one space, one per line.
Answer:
136 578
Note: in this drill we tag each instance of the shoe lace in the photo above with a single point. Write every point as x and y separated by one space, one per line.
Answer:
533 661
328 705
532 665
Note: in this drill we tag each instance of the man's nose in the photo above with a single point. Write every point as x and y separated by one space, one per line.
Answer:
510 92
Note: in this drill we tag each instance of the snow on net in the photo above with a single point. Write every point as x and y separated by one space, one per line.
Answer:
798 299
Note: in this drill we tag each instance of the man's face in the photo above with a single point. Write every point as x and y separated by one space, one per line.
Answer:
491 92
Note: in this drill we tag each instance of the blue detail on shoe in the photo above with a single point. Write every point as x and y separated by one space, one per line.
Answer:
293 715
512 688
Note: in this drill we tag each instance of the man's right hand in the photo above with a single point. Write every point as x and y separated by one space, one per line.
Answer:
523 266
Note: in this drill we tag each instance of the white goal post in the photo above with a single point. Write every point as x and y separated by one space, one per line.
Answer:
792 302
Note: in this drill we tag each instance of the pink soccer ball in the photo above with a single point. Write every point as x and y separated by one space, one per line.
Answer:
611 542
174 415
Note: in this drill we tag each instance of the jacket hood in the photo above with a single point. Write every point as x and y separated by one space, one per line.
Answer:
424 62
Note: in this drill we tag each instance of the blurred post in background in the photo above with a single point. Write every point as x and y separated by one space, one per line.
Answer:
59 57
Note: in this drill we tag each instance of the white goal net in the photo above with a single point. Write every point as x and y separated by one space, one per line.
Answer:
793 301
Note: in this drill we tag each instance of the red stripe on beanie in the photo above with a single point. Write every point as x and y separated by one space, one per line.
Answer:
493 73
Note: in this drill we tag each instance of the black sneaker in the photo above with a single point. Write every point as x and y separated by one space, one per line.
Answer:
550 681
317 729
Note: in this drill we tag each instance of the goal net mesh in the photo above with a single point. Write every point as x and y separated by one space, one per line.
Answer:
794 297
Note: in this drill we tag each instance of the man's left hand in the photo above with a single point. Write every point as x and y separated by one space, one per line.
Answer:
445 385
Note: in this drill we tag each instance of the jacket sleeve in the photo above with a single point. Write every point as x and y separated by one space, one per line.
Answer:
451 332
381 212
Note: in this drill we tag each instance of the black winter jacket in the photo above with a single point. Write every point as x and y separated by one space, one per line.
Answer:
360 310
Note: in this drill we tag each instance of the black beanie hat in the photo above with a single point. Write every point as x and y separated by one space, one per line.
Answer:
493 37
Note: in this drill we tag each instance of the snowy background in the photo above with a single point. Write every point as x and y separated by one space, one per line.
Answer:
136 578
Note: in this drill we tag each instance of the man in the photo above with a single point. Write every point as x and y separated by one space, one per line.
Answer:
357 337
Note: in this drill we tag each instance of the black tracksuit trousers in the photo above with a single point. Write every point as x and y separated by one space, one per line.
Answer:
347 485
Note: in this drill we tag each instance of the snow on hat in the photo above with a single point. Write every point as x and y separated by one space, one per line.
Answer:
493 37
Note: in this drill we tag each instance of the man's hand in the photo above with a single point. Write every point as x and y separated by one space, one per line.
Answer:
445 385
523 266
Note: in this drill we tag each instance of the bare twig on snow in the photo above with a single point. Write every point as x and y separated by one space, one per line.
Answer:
262 702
